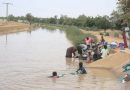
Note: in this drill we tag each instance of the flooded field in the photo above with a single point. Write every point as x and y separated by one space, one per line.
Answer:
28 58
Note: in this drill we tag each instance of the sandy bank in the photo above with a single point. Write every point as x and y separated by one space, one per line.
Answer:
10 27
112 62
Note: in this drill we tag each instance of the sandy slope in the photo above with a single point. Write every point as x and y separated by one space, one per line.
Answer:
113 62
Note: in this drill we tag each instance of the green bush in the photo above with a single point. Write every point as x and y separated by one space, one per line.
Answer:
107 34
116 34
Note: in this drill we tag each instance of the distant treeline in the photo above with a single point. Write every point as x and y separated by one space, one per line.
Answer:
99 22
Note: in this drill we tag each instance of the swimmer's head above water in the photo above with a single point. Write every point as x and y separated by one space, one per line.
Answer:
54 75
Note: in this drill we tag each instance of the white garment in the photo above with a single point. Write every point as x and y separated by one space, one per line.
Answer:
114 43
127 29
127 32
104 53
83 46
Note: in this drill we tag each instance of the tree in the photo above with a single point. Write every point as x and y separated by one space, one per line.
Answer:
115 19
89 22
11 18
102 22
124 6
29 18
81 20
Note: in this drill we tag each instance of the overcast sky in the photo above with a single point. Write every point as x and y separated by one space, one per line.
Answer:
48 8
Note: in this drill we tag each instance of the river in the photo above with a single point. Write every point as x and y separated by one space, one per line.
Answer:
28 58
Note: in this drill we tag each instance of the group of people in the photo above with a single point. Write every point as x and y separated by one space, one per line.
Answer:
89 51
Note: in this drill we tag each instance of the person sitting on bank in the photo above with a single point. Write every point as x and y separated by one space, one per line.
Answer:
70 52
81 69
104 52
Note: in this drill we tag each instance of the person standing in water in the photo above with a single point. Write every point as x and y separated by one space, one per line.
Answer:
70 52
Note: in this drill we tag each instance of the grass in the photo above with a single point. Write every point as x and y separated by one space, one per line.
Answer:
73 33
116 34
76 36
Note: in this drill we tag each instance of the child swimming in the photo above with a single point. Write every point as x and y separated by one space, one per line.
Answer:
81 69
54 75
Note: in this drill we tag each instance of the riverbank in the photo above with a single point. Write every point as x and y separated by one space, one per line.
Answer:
113 62
11 27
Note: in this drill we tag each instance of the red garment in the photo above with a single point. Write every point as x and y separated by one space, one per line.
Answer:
89 41
124 39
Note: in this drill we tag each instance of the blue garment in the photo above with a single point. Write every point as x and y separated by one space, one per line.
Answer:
81 70
128 74
126 67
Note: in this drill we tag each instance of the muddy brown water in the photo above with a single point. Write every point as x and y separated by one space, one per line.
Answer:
28 58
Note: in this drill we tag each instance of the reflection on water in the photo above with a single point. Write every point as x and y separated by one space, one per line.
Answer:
27 59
